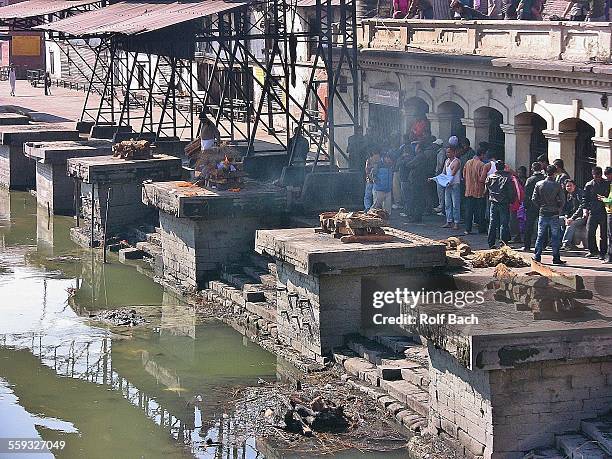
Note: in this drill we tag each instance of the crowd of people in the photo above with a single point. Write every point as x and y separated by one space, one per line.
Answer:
576 10
478 189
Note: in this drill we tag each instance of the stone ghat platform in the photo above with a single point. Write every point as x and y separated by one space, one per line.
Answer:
100 175
11 119
201 228
16 170
54 188
508 383
320 281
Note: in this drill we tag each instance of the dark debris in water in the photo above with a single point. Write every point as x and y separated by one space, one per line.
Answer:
120 317
262 412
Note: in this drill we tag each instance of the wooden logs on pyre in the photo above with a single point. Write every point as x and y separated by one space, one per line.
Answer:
132 149
356 226
540 292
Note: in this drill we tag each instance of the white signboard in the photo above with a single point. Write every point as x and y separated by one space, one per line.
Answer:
383 97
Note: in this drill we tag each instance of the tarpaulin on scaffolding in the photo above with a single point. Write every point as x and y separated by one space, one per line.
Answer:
35 8
137 17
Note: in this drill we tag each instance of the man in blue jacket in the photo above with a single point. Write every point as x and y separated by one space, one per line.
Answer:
383 184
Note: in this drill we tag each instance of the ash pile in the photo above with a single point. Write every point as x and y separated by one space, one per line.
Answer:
358 226
133 150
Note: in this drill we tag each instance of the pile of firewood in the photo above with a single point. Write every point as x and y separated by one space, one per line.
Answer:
356 226
132 149
546 293
493 257
319 415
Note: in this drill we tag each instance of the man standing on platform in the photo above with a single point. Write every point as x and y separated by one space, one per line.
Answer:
474 179
548 197
531 211
596 214
502 193
607 201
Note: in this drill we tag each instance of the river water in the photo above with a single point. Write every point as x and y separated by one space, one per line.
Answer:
153 391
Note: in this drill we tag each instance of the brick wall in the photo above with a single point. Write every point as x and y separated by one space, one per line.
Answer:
314 313
460 403
505 413
193 250
125 209
533 402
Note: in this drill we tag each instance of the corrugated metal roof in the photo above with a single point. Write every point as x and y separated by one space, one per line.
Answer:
309 3
33 8
131 18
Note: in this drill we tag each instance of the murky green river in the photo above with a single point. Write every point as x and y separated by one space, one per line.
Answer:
157 391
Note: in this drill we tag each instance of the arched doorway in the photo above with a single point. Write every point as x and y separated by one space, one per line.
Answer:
491 121
415 110
449 116
585 153
530 139
384 110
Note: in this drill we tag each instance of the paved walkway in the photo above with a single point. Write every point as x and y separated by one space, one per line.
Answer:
65 106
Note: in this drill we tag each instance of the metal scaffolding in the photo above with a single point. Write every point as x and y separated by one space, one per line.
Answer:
147 78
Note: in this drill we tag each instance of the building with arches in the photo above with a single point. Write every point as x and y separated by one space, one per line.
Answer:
526 88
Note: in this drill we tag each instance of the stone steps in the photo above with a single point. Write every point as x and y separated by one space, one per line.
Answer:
405 380
402 413
599 430
152 250
578 446
594 441
548 453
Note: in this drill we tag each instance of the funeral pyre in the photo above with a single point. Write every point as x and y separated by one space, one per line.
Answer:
548 294
133 149
356 226
217 167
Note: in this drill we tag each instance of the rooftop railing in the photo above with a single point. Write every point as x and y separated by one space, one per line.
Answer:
540 40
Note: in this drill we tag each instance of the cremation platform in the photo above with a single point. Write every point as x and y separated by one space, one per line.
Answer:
54 188
16 170
203 228
99 175
320 279
513 381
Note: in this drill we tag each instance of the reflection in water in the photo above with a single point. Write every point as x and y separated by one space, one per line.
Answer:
160 391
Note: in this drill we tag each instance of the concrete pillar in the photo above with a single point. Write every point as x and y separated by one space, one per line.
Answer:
476 130
517 140
434 124
562 145
604 151
441 124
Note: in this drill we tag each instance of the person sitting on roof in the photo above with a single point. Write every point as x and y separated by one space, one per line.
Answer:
462 11
420 9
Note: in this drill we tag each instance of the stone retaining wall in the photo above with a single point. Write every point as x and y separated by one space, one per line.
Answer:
194 249
504 413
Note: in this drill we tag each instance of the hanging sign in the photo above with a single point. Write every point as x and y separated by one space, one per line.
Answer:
383 97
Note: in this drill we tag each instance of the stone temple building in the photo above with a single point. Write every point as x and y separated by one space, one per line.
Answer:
527 87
